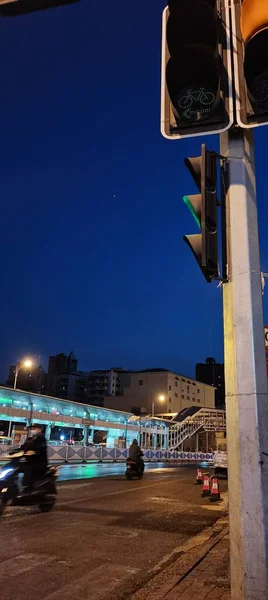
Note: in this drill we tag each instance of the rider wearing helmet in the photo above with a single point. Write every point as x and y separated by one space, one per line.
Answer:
35 451
135 453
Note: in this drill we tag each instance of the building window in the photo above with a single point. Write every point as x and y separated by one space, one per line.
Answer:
188 398
141 382
183 379
176 384
198 400
176 395
169 387
188 388
182 396
169 410
169 399
198 390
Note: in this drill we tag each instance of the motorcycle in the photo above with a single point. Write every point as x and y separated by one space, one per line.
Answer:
134 469
44 490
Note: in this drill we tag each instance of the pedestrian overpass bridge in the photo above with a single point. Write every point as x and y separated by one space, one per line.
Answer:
156 434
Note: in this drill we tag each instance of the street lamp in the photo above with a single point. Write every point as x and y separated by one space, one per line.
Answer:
26 364
161 398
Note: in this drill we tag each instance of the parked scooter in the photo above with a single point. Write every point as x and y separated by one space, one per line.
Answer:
134 469
43 493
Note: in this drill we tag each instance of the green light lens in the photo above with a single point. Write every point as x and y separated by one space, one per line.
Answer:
188 203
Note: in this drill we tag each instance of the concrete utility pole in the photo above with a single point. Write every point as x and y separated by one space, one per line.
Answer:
245 375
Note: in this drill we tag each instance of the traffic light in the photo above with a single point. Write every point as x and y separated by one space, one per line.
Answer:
203 207
196 92
13 8
250 43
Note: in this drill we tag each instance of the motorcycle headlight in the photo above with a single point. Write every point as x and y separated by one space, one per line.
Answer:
5 472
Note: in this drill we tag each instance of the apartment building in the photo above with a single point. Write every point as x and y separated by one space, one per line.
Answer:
160 391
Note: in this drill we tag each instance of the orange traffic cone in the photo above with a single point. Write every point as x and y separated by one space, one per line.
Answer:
206 488
199 477
215 490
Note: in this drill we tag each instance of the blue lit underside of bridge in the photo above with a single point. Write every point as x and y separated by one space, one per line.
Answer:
19 406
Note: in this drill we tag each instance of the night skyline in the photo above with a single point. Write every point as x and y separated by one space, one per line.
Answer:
93 217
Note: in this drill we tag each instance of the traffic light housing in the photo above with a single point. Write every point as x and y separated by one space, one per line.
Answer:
196 81
13 8
203 206
250 51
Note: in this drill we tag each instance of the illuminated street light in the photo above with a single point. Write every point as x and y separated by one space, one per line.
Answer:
25 364
161 398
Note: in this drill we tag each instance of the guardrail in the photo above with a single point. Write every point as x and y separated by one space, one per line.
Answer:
76 454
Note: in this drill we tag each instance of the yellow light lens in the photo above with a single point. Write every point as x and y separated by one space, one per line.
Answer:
254 18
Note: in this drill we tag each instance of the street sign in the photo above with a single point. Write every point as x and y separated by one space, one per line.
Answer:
87 422
266 346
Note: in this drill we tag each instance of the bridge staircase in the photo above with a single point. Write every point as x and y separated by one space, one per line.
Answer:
203 419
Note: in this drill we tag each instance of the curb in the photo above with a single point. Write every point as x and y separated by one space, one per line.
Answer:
175 567
171 577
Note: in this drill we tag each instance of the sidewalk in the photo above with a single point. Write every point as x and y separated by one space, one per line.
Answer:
209 579
200 570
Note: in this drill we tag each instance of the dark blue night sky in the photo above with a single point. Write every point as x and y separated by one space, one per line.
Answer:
92 256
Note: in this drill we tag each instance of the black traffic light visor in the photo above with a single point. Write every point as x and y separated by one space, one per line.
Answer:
195 165
190 23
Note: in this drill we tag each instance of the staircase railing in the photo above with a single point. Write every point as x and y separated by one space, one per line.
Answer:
208 419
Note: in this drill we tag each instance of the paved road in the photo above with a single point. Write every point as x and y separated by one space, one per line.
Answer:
103 536
88 471
91 470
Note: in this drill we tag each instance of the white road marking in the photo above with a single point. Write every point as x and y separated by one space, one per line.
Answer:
74 501
96 584
22 563
125 491
77 486
139 489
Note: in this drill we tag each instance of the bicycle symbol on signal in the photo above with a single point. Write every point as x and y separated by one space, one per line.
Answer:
205 98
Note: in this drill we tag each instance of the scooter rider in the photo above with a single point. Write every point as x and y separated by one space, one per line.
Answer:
35 451
135 453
